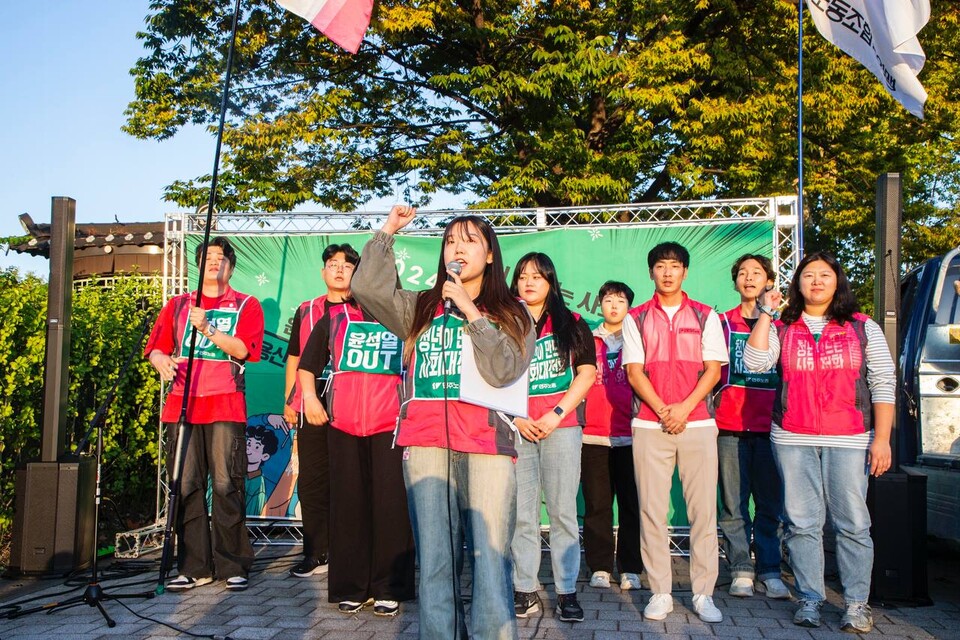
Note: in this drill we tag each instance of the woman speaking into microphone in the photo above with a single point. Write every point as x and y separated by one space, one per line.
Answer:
458 457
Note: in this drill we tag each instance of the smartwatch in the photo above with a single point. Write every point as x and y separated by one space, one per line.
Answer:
773 313
211 330
558 410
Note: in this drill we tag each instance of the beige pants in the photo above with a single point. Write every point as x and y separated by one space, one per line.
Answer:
655 454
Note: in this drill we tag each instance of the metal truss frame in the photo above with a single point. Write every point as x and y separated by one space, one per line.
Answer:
782 210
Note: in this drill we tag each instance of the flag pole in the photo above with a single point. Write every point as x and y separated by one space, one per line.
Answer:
183 428
800 129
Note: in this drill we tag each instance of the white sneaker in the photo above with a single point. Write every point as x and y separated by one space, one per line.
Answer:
705 609
776 589
600 580
659 606
741 587
629 581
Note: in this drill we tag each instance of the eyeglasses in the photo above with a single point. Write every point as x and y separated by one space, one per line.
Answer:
340 266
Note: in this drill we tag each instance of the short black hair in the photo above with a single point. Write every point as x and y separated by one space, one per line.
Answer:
613 286
668 251
764 261
224 245
266 437
348 252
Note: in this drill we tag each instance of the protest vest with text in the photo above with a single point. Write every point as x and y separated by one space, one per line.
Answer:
363 393
214 372
824 387
744 400
423 419
550 377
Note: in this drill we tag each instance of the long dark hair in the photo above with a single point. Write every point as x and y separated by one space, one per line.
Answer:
495 300
844 303
565 332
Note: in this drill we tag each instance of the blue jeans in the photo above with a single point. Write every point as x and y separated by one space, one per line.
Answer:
815 478
747 468
552 466
481 499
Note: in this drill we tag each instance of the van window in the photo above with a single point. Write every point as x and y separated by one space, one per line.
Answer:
949 310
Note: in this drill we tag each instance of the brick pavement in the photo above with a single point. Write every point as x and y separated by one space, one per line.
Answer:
277 606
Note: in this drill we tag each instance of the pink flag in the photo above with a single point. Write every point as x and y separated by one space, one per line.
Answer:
343 21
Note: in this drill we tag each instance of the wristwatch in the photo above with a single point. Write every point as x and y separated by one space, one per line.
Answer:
773 313
211 330
558 410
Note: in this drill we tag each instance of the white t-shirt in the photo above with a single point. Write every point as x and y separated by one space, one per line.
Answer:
712 344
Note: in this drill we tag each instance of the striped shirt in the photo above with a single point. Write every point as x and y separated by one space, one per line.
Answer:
881 379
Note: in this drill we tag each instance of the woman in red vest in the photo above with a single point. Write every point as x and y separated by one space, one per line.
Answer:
458 457
831 428
562 371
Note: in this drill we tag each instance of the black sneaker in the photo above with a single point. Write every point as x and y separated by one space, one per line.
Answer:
525 603
309 567
568 608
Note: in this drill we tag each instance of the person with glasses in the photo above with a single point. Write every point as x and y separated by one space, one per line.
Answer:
371 547
313 481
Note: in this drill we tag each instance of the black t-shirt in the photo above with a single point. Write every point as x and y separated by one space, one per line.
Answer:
587 354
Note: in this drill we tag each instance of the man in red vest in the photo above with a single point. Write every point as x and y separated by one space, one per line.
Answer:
229 328
313 481
673 349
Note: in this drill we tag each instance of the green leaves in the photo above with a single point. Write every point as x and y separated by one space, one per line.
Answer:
105 327
554 103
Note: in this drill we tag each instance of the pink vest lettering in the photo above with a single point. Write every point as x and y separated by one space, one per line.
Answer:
824 389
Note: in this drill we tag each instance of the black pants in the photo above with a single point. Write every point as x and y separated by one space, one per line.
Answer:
218 451
607 472
371 545
313 488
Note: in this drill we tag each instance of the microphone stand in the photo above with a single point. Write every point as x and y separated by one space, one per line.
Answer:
94 595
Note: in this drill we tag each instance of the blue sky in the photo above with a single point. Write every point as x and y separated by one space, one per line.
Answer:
65 82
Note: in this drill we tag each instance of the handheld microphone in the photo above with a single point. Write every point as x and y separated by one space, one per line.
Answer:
456 267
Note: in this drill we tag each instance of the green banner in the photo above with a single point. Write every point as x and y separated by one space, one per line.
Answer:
284 270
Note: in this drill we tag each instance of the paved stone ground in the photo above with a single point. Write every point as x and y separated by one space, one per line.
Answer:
277 606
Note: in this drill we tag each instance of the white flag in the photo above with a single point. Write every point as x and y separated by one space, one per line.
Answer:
882 36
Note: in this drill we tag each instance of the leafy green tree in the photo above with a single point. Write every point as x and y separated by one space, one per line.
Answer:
548 103
105 327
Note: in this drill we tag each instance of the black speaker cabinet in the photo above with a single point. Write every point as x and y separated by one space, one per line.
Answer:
54 518
898 509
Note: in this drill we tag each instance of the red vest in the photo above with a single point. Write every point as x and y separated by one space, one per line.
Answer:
310 313
743 400
824 383
553 374
362 399
214 372
673 352
472 428
609 401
